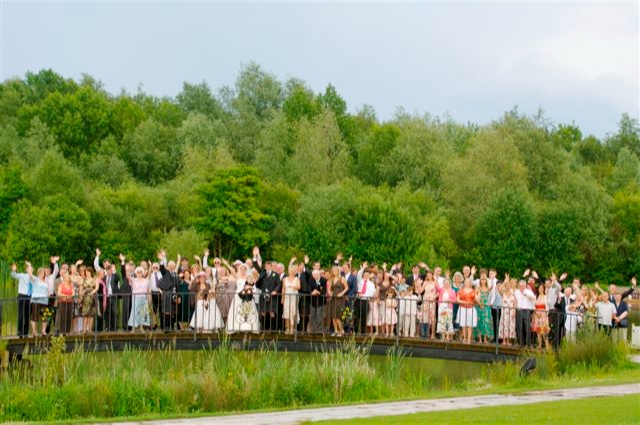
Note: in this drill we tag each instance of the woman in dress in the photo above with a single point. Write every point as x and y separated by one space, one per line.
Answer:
429 305
39 298
225 291
88 289
373 315
456 285
384 287
390 314
484 330
187 300
507 325
207 316
65 305
336 289
467 316
540 320
76 281
243 314
141 298
290 288
446 298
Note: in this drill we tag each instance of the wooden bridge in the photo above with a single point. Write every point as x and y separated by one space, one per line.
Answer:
156 340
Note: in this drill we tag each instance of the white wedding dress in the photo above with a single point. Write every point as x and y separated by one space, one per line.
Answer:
243 315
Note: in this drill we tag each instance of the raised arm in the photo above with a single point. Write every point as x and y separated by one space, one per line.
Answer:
96 261
230 269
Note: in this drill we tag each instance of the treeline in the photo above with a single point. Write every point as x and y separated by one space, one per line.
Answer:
271 163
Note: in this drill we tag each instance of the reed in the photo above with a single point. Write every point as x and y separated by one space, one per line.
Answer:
85 385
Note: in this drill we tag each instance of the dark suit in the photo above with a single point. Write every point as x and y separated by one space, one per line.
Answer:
125 295
558 317
304 294
625 294
169 284
316 307
111 315
268 282
411 280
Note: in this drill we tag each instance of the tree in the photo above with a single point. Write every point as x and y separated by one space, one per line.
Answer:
151 152
470 183
505 235
197 98
78 120
228 213
321 156
55 226
12 189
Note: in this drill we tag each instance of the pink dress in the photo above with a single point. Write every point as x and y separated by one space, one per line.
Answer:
390 313
429 303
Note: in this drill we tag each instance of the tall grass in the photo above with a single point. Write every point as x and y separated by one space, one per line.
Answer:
81 384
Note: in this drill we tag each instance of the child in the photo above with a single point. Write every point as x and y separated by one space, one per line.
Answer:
390 313
408 313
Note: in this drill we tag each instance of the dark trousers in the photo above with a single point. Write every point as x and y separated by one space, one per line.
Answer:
556 322
24 304
126 309
317 315
65 314
362 310
156 298
523 327
111 315
496 313
168 322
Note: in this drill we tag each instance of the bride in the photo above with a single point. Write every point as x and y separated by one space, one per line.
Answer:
243 314
207 316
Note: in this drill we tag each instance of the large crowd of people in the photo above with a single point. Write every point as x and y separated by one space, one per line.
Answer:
256 295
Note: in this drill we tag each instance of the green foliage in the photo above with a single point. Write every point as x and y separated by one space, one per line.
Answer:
427 188
593 350
187 243
12 189
151 152
55 226
228 213
505 235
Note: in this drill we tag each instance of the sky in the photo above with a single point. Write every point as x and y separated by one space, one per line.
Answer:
579 61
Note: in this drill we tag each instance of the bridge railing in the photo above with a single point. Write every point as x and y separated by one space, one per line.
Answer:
291 313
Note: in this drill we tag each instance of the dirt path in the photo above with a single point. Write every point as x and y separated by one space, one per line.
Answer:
403 408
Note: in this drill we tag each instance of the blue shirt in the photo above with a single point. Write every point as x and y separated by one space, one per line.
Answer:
40 292
24 284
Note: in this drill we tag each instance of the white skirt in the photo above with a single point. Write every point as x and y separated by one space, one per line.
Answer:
243 316
207 316
467 317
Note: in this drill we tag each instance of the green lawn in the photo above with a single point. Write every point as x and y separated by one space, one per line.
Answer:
601 410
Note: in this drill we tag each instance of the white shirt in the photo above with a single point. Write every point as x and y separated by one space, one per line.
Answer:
408 305
366 289
154 279
525 299
605 313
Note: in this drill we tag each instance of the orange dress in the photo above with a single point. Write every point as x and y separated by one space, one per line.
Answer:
467 314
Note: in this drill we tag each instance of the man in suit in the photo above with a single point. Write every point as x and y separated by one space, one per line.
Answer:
112 282
415 276
127 272
270 287
613 290
561 304
169 285
366 291
304 293
318 287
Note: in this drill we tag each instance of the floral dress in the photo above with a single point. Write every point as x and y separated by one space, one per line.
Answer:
485 320
429 304
540 320
445 313
87 304
507 326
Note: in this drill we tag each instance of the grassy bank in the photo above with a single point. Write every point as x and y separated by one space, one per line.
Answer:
58 386
602 410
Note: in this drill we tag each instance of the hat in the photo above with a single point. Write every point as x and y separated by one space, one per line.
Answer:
237 263
201 274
